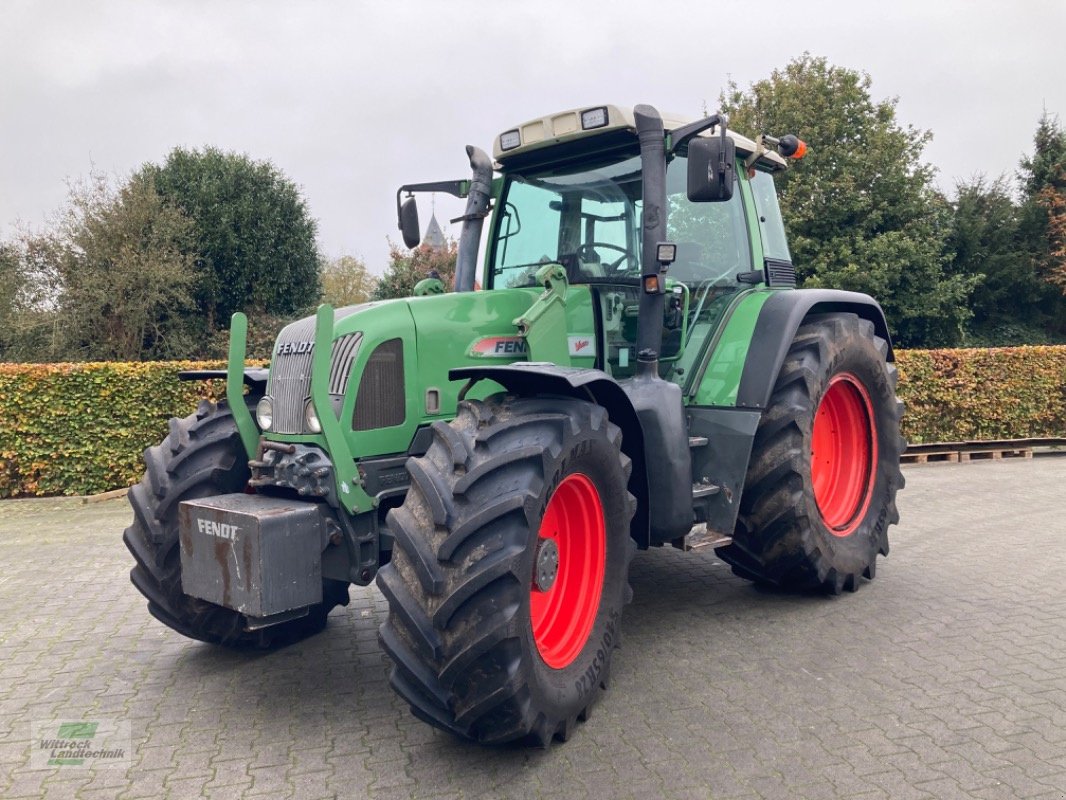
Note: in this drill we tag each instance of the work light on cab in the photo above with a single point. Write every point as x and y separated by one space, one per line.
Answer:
510 140
594 118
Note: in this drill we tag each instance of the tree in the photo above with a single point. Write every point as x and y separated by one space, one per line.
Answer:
346 281
860 209
408 267
985 241
11 291
120 274
254 239
1043 181
16 305
30 327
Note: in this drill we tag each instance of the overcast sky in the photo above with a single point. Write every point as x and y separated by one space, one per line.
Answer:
352 99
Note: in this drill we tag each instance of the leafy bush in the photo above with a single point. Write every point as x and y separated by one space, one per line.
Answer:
982 394
81 428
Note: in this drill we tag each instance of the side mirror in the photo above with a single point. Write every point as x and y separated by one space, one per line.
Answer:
711 167
409 223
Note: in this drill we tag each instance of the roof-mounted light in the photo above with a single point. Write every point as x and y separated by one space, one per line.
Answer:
594 118
509 140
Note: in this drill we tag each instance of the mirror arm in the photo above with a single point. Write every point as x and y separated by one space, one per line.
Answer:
680 137
457 188
760 150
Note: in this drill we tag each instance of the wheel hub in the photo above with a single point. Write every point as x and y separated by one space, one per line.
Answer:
547 565
843 454
568 569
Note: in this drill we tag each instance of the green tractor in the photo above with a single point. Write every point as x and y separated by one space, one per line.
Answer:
635 369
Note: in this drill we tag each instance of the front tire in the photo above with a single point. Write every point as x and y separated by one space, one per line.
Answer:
510 569
201 457
824 471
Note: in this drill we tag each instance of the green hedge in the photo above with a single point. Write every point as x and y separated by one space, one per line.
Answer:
983 394
81 428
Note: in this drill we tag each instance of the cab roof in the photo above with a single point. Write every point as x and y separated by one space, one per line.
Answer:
592 121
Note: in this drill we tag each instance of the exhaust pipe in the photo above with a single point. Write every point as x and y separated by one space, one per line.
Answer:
477 208
651 135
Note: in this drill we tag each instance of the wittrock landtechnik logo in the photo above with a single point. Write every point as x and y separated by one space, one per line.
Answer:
79 743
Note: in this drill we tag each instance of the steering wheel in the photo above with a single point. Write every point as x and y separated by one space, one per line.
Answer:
587 252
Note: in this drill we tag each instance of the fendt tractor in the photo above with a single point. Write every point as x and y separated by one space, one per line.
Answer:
634 368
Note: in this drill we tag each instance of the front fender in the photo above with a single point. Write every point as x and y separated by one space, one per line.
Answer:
596 386
780 318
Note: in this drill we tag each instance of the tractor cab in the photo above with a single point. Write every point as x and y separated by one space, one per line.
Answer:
570 191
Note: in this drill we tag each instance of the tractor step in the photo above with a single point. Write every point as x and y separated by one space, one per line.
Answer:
704 490
700 537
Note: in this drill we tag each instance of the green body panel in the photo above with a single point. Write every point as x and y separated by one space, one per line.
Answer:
439 332
477 328
238 336
729 351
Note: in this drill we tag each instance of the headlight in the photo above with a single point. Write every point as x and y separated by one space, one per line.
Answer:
264 413
311 418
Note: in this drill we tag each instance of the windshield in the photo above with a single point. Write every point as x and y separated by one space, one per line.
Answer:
587 218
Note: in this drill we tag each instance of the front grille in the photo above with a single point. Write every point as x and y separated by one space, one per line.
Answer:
290 370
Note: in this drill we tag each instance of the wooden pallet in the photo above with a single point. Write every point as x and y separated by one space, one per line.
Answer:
949 455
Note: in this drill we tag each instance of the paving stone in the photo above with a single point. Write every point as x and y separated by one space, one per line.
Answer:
944 678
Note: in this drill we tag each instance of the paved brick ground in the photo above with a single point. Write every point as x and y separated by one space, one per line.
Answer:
945 677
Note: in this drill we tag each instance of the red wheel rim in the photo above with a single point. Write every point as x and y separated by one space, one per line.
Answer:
562 616
843 454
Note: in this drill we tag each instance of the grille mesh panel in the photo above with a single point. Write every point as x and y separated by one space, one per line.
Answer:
290 377
381 399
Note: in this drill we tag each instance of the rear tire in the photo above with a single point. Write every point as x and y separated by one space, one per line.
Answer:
201 457
824 470
490 637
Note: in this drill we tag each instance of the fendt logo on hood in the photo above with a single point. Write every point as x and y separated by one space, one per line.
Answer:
516 346
499 347
294 348
220 529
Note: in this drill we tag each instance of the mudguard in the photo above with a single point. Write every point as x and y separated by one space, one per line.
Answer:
780 318
526 378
